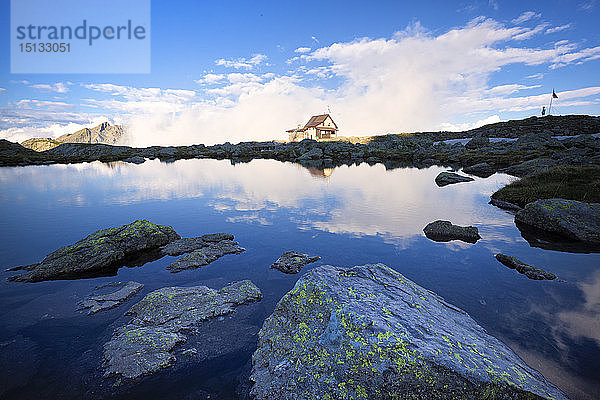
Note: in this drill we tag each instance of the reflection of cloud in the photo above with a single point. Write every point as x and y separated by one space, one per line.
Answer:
585 322
249 218
357 200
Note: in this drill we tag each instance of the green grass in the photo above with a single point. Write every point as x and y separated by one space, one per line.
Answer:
565 182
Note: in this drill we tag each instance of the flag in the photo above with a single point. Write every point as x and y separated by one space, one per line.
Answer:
554 95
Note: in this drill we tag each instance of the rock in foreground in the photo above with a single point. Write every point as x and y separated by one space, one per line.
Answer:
571 219
101 253
291 262
110 296
525 269
145 345
445 231
367 332
448 178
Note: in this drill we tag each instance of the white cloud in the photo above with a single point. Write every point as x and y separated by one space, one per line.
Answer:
59 87
242 63
414 80
2 89
493 4
211 78
526 16
302 50
558 28
529 33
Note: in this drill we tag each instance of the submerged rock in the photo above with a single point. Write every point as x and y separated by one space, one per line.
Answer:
368 332
505 205
445 231
109 296
572 219
525 269
145 345
205 255
101 253
291 262
448 178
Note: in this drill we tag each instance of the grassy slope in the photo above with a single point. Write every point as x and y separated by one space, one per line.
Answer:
566 182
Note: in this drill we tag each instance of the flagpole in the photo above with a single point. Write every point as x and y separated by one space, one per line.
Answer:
550 108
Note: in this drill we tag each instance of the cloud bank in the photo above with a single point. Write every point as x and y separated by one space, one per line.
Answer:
414 80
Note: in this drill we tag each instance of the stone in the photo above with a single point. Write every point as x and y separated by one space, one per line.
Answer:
109 296
506 205
445 231
368 332
291 262
477 142
525 269
160 322
183 245
135 160
216 237
530 167
571 219
448 178
313 154
101 253
206 255
481 170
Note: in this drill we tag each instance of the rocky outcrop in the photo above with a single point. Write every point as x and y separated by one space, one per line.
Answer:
103 133
448 178
525 269
571 219
109 296
445 231
161 321
530 167
205 255
482 170
420 149
101 253
367 332
40 144
291 262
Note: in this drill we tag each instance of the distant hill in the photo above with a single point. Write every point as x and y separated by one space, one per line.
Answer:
103 133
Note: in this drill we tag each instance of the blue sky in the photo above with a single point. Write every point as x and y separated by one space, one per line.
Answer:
232 71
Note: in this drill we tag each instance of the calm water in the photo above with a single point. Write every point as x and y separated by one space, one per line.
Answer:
348 216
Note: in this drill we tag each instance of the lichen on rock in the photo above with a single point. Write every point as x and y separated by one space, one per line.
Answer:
100 253
367 332
162 319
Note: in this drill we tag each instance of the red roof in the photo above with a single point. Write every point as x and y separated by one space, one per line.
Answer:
316 120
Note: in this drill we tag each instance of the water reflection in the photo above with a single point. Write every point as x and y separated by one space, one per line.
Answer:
357 200
348 215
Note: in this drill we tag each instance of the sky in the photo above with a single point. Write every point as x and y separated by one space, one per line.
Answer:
240 71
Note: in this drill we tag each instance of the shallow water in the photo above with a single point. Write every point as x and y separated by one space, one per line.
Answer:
347 215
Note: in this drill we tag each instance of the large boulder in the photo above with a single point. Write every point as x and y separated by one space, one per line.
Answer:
448 178
367 332
445 231
101 253
571 219
161 321
477 142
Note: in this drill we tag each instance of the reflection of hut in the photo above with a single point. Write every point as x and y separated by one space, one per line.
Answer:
321 173
317 127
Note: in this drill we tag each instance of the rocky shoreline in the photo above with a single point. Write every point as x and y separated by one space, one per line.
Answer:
540 142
